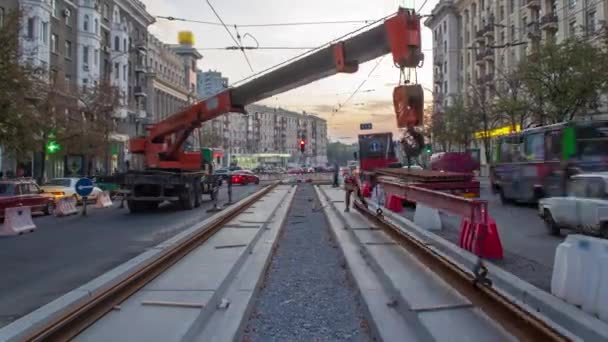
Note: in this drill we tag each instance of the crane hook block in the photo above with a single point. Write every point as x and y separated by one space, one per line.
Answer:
403 31
343 65
408 100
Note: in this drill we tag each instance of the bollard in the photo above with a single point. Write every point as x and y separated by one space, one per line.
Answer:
84 205
229 191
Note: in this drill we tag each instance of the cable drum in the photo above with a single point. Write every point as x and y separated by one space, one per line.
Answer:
412 142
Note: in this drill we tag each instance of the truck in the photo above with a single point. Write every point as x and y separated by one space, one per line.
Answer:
162 170
379 163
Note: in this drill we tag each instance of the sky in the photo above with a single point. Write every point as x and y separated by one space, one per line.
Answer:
373 103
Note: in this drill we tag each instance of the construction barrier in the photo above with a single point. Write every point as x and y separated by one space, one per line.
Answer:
65 206
394 203
103 200
17 221
580 274
478 231
480 238
427 217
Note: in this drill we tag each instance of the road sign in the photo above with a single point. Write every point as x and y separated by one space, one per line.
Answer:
84 187
365 126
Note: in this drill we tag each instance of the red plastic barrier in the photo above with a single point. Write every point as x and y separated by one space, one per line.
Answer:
481 239
394 203
366 189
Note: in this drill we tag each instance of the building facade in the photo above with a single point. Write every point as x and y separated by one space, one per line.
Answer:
210 83
268 136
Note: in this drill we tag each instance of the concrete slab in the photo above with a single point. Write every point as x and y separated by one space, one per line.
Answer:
385 322
446 325
375 236
137 322
227 324
416 283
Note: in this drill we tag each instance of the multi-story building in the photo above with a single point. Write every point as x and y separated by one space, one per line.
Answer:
268 136
210 83
475 42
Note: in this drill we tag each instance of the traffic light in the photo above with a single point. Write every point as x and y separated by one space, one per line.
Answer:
52 147
428 148
302 145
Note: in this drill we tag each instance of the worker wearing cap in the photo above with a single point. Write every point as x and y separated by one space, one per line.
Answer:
351 185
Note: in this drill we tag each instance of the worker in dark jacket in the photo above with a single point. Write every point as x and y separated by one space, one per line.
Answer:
336 173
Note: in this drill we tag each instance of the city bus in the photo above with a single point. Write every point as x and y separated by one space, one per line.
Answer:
532 163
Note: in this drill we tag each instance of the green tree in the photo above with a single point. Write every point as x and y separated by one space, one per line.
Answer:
18 91
566 78
511 103
340 153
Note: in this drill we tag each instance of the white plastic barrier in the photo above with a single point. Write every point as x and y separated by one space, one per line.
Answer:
580 274
103 200
17 221
427 217
66 206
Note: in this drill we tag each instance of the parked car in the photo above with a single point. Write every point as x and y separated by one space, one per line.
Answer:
66 187
583 209
24 192
244 177
224 174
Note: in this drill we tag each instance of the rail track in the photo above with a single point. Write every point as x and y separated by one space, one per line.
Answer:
69 324
520 323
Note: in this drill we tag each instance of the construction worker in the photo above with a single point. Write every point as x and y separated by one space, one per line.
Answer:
350 185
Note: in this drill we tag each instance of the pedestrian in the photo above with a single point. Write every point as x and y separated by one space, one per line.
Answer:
336 173
350 186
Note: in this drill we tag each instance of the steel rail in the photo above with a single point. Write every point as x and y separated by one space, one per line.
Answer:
519 322
73 322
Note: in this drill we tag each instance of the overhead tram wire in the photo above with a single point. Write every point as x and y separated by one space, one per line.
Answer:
231 36
359 87
302 23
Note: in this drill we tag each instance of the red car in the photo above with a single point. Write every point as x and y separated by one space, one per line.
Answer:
244 177
24 193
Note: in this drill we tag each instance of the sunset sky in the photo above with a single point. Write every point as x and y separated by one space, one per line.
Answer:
372 104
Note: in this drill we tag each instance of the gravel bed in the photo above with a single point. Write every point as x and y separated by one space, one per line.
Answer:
307 294
527 269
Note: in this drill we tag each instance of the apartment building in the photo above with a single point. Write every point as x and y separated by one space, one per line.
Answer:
210 83
477 41
268 136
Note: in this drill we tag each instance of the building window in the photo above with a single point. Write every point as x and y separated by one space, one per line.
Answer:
85 23
124 45
85 55
67 14
572 28
445 67
116 71
124 72
524 24
116 43
96 26
104 11
68 80
96 57
511 6
30 28
513 32
591 22
54 8
54 43
571 3
44 32
502 37
445 47
85 82
68 49
501 13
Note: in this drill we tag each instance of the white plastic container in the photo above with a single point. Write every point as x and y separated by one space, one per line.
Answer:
560 269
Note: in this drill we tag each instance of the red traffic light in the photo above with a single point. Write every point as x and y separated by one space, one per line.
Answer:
302 142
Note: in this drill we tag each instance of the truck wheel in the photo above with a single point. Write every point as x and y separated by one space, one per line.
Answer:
134 206
604 230
50 208
188 199
550 224
503 198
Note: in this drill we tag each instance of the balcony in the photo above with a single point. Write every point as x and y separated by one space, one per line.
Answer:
533 3
549 22
438 59
140 68
533 30
488 78
479 35
479 56
138 91
488 55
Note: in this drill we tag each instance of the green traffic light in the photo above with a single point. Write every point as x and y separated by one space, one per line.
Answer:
52 147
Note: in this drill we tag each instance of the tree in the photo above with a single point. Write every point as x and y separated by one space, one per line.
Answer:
340 153
482 114
18 90
511 104
566 77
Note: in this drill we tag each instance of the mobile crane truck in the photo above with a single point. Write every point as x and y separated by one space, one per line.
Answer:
162 171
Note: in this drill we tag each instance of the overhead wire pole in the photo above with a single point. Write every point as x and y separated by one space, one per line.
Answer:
230 33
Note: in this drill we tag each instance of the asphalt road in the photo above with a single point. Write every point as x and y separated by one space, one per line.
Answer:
64 253
529 250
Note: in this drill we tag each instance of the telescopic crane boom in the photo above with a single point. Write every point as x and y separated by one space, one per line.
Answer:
399 35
